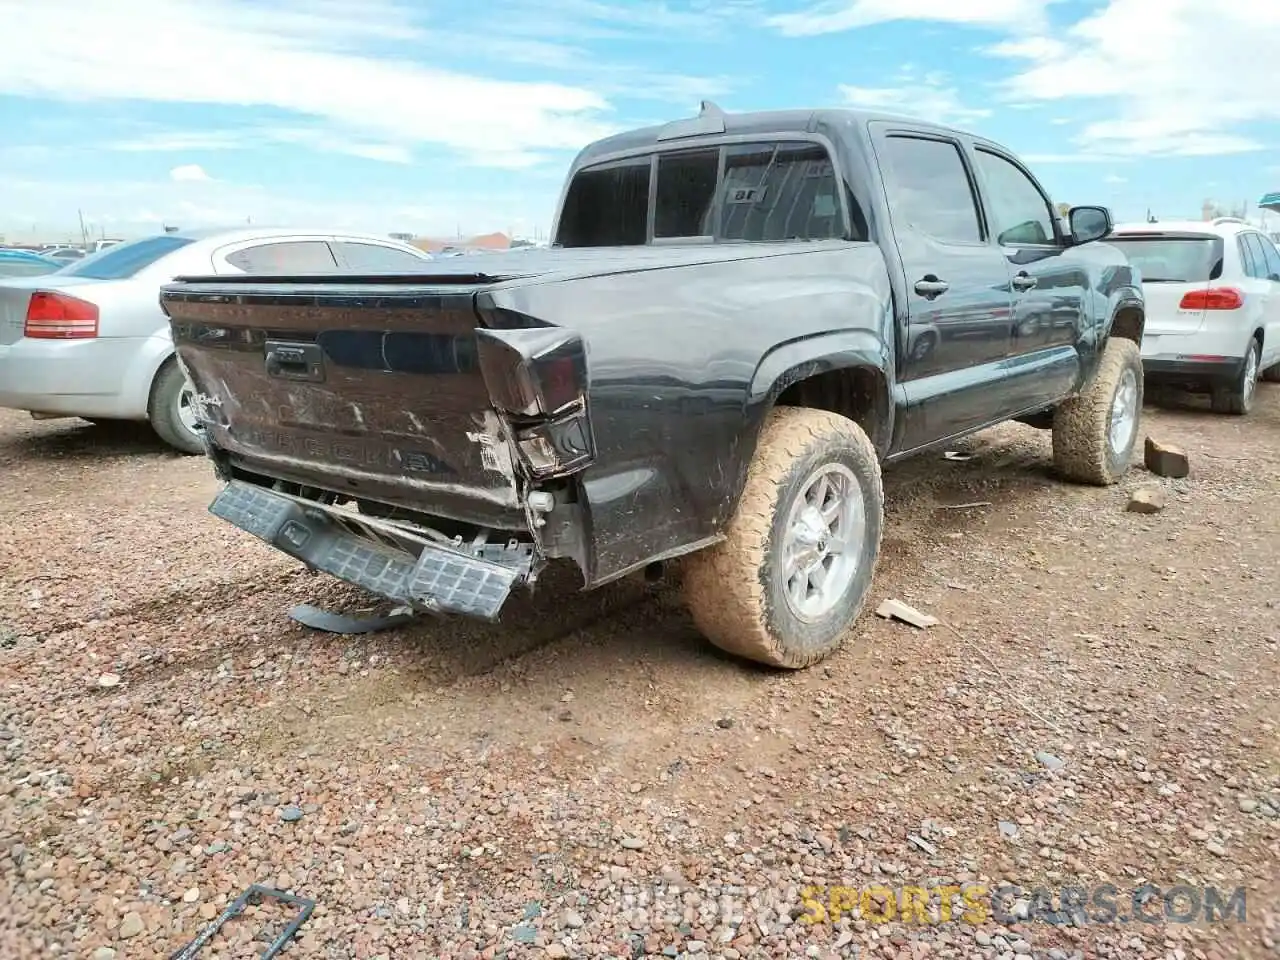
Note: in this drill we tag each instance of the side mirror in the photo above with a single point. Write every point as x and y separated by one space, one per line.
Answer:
1089 223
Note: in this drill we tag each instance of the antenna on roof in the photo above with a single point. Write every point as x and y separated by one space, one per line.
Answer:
710 119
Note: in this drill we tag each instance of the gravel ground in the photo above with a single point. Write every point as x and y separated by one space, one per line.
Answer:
1098 706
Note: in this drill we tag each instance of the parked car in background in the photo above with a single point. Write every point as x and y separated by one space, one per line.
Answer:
27 263
64 253
91 340
1213 305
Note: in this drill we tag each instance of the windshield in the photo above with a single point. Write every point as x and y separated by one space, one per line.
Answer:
121 260
1171 260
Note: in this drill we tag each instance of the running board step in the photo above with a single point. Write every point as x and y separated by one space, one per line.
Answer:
377 556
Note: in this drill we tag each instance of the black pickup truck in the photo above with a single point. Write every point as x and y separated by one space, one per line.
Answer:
741 316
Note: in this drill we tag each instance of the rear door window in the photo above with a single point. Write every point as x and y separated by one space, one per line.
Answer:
123 260
1273 258
375 258
291 256
1246 257
1256 258
779 191
930 190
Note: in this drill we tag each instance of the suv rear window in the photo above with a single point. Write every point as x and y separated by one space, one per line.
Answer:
755 192
1192 259
122 260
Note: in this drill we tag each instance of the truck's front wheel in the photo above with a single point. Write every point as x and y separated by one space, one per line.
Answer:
1094 433
799 554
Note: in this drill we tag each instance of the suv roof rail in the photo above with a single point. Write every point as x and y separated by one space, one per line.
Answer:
710 119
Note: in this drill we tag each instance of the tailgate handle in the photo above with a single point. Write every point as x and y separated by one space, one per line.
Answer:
295 361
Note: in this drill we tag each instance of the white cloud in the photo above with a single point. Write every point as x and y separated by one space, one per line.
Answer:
1114 178
1180 77
928 97
317 138
833 16
138 207
313 62
189 172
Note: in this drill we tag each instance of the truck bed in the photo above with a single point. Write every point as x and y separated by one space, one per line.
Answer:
371 386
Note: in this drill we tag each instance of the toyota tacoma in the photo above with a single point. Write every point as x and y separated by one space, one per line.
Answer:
740 318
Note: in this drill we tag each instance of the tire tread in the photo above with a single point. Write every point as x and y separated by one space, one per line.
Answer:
1080 424
725 585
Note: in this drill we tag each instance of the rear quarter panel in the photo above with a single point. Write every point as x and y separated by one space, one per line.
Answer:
684 363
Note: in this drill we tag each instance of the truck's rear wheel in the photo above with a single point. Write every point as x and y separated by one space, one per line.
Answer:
1094 433
799 554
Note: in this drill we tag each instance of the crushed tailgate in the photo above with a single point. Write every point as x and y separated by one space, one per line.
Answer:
374 389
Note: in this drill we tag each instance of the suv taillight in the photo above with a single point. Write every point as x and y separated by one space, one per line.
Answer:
56 316
1214 298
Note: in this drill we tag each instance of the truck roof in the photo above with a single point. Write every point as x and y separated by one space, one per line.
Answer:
771 123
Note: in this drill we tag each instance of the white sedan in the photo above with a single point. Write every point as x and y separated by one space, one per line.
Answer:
91 341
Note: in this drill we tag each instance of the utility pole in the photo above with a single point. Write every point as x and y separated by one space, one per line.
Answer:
84 235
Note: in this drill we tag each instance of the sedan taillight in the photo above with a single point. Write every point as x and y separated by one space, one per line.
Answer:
1214 298
56 316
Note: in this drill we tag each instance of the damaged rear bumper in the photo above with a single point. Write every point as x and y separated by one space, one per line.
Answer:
387 559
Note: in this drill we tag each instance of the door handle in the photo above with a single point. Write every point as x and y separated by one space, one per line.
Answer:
930 286
1024 281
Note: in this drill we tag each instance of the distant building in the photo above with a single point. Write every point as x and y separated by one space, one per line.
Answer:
487 241
404 237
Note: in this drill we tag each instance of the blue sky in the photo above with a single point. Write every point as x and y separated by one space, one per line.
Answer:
438 115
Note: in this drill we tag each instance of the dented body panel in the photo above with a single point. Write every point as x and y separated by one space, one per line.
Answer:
401 412
603 403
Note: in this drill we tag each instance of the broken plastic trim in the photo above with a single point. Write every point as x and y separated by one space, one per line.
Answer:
532 372
381 557
236 907
557 447
329 622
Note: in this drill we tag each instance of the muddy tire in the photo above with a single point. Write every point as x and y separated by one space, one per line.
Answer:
811 514
1236 398
1094 433
165 410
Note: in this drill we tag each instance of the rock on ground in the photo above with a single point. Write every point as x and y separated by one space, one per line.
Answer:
448 811
1165 460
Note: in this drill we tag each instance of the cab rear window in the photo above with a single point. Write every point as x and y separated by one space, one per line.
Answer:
755 192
